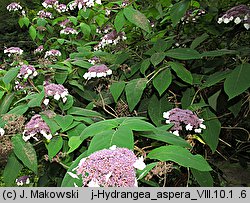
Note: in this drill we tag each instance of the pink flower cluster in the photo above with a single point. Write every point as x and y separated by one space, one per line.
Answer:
68 31
44 14
83 4
50 3
238 14
39 49
23 180
65 23
55 91
14 7
97 71
114 167
14 51
183 118
111 38
52 53
36 126
27 71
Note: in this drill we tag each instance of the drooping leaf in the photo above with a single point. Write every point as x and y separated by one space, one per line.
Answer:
215 78
181 156
116 89
157 58
183 54
187 98
197 41
36 100
19 110
142 173
68 104
119 21
212 100
10 75
61 76
212 131
64 121
137 124
137 18
182 72
178 10
220 52
11 170
74 143
237 81
162 81
25 152
144 66
6 102
154 113
32 32
86 30
54 146
204 178
134 90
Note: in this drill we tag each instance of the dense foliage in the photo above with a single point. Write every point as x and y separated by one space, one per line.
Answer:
165 79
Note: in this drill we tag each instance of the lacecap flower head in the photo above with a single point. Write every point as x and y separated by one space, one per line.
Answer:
97 71
83 4
183 119
23 180
35 127
13 51
56 91
27 71
114 167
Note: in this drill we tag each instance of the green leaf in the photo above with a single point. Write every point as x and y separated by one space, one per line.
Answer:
215 78
32 32
183 54
74 143
142 173
36 100
19 110
54 146
6 102
11 170
237 81
82 64
187 98
1 94
134 90
116 89
197 41
69 103
162 80
144 66
156 107
83 112
220 52
122 137
204 178
64 121
136 124
181 156
235 108
167 137
68 181
86 30
10 75
182 72
25 152
76 131
178 10
119 21
212 100
137 18
54 127
157 58
212 131
61 76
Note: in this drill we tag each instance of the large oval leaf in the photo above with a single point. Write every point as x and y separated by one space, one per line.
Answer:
137 18
238 80
182 72
183 54
178 10
181 156
134 90
25 152
162 81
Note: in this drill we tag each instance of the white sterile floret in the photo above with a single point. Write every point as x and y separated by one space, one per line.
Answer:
2 131
27 181
226 20
46 102
92 74
47 136
139 164
19 183
189 127
57 97
64 99
166 115
202 126
197 130
98 2
113 147
109 72
35 74
73 175
237 20
136 183
93 183
176 132
247 26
